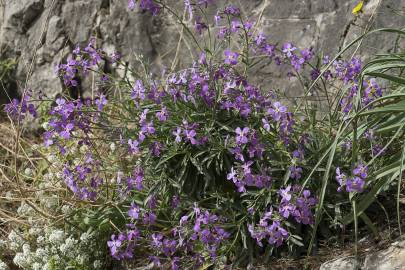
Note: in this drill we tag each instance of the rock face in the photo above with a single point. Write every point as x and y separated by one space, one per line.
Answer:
41 33
392 258
346 263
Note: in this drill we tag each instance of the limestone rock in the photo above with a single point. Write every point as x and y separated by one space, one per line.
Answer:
392 258
346 263
51 29
388 259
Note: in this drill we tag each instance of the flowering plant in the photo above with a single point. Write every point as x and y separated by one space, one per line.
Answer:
199 165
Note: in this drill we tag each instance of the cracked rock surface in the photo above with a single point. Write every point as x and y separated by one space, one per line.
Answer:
392 258
43 32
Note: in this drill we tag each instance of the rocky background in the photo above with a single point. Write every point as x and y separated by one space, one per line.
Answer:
41 33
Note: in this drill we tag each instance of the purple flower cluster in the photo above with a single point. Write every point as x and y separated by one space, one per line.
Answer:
66 117
356 182
292 204
295 205
196 233
81 61
372 91
17 110
269 229
244 177
145 5
296 60
122 245
347 71
82 179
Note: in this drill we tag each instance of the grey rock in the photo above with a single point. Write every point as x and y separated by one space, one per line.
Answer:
55 28
346 263
392 258
51 29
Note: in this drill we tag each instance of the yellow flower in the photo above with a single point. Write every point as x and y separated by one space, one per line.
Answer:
358 8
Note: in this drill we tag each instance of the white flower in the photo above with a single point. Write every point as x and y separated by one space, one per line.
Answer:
34 231
37 266
56 237
85 238
83 149
21 260
40 240
28 171
113 147
97 264
45 125
9 195
48 177
26 249
83 258
24 209
68 247
15 241
3 266
66 209
52 158
3 245
51 202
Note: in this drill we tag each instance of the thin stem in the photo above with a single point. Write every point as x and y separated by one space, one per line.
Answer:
399 191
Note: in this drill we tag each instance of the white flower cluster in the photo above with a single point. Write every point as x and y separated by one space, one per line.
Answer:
55 249
3 265
44 246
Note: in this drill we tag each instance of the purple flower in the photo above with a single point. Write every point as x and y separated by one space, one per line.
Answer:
138 173
286 209
285 194
138 92
175 201
115 245
277 234
203 58
266 124
65 133
199 25
232 175
340 178
355 184
277 111
223 32
177 133
149 219
101 102
17 109
288 49
235 26
162 115
361 170
307 54
232 10
156 148
217 18
134 211
133 146
190 136
260 39
237 152
231 58
183 220
148 128
242 134
295 172
189 8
